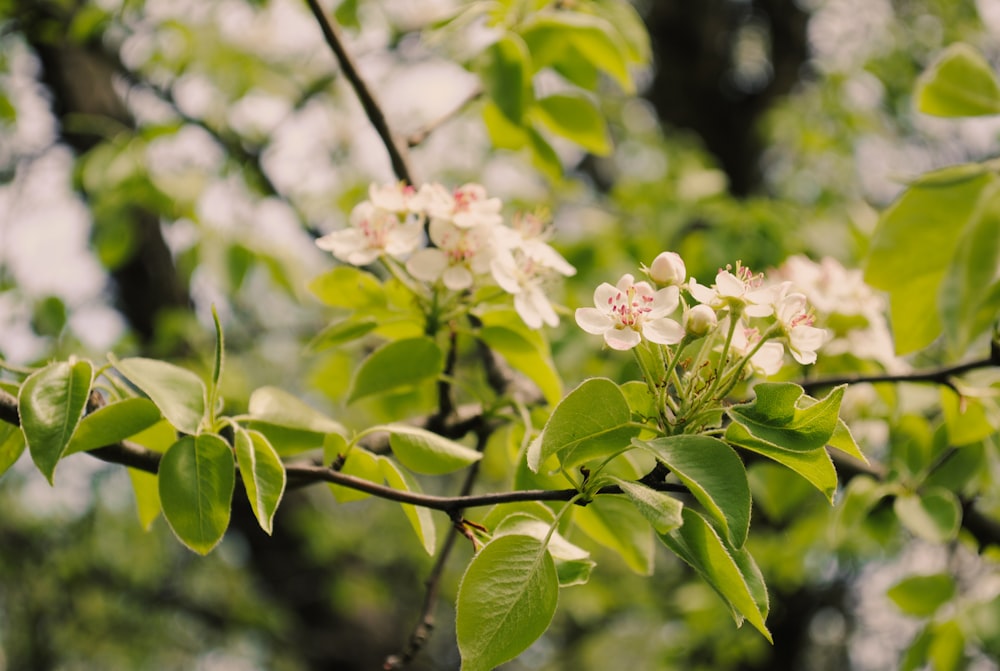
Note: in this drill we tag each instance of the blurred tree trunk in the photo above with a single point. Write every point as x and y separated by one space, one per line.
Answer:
712 78
80 82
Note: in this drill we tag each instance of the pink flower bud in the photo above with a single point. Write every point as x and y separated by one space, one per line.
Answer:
668 269
699 320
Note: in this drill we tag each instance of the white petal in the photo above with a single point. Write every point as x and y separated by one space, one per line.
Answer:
622 339
728 285
593 320
769 358
427 264
665 301
604 296
540 304
701 293
663 331
457 278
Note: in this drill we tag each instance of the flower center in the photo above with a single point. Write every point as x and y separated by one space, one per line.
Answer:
630 307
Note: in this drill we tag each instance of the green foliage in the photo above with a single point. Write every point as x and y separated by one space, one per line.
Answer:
262 473
178 393
51 404
423 451
397 366
506 600
922 595
196 480
959 83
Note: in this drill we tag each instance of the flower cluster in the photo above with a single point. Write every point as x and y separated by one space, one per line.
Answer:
753 320
466 244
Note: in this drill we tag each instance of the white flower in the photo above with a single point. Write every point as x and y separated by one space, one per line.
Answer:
465 207
373 232
524 280
796 322
630 311
397 197
668 269
740 292
460 255
530 233
765 361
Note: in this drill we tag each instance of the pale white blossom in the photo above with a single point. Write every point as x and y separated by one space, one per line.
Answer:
765 361
372 232
792 312
459 256
699 320
465 207
627 313
740 292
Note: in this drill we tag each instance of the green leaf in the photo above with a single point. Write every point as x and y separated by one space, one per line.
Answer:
397 366
815 466
178 393
593 421
360 463
947 648
262 472
639 399
922 595
614 523
527 353
659 508
11 446
51 403
573 563
276 406
736 581
926 222
349 287
506 76
843 440
425 452
196 481
969 298
574 117
933 514
158 438
713 473
506 600
959 83
343 331
967 418
419 517
219 361
114 423
778 417
558 39
543 156
504 134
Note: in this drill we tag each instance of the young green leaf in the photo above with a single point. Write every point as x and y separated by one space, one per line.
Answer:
559 39
349 287
574 117
922 595
573 563
425 452
737 582
419 517
934 514
158 438
178 393
713 473
360 463
278 407
506 600
11 446
927 222
593 421
196 481
343 331
615 524
526 352
659 508
397 366
506 76
51 403
113 423
220 357
262 472
815 465
959 83
783 417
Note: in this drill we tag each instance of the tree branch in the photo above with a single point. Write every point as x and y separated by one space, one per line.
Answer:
940 376
398 153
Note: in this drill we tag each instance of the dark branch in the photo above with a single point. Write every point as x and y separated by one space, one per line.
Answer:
940 376
398 154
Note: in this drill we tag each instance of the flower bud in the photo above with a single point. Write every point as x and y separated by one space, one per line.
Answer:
699 320
668 269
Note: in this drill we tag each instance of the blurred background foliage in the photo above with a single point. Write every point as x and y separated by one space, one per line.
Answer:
161 156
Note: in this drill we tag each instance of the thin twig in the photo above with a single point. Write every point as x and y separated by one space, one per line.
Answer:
398 154
940 376
417 137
